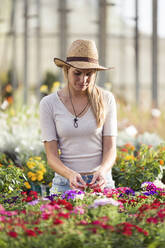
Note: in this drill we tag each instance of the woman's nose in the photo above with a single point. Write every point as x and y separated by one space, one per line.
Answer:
83 78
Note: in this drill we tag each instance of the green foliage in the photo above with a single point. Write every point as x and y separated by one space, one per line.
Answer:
133 167
11 179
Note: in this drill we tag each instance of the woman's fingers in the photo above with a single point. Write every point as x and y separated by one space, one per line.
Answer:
98 181
77 182
94 179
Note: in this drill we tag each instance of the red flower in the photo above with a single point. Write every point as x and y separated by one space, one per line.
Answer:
30 232
57 222
64 215
83 222
45 216
62 202
124 150
127 232
69 206
38 230
28 199
96 222
142 197
107 227
13 234
141 230
23 193
97 190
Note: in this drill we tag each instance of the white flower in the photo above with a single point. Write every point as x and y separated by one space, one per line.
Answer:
131 130
104 201
155 112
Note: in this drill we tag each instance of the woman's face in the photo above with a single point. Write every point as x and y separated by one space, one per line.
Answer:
79 79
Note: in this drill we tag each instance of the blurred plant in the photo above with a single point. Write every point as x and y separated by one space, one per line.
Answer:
14 135
49 84
38 171
7 90
12 179
136 166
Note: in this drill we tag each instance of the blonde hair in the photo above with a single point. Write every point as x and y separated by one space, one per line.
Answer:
95 97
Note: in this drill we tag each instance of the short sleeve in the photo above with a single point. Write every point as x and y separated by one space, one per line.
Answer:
110 124
47 123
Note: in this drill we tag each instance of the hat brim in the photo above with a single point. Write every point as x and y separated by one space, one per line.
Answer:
81 65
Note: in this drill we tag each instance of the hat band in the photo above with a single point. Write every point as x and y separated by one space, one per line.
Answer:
84 59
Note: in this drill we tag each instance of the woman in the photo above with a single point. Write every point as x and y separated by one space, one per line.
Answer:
80 120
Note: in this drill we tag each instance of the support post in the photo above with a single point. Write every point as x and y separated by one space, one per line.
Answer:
137 83
154 54
25 82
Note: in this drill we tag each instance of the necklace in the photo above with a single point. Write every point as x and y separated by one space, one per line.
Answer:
76 115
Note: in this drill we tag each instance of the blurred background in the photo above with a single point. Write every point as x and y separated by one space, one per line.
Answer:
129 34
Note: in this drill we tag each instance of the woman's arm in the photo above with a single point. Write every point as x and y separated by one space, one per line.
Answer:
108 160
55 163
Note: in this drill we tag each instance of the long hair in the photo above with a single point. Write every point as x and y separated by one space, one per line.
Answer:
95 97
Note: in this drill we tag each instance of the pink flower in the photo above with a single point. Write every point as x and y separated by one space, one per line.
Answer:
78 210
1 208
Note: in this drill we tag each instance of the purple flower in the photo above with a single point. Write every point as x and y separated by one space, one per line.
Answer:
50 197
72 194
32 203
152 192
129 192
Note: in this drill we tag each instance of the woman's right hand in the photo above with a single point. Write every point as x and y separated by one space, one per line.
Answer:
76 181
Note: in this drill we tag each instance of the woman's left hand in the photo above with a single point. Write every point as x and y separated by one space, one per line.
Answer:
98 180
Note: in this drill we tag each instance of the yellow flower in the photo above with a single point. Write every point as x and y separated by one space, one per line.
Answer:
37 158
31 165
43 170
30 174
42 167
129 157
44 88
27 185
59 151
55 86
39 178
40 172
50 184
8 88
34 178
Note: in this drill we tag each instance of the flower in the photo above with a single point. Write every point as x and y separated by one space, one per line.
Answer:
27 185
73 194
161 161
12 234
104 201
44 89
30 232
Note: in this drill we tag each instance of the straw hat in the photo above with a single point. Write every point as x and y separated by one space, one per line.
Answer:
82 54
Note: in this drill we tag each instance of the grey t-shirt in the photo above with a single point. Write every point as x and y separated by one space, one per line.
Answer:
81 148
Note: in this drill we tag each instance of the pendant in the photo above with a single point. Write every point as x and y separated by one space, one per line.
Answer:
75 122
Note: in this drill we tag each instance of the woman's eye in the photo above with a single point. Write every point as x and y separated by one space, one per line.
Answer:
77 73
